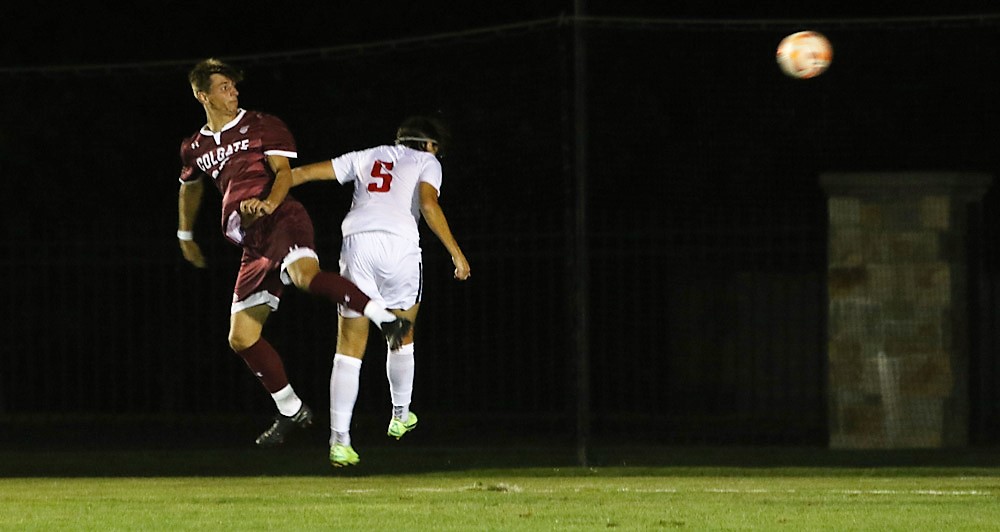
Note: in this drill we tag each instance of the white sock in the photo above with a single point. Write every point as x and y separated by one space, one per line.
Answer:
399 369
378 314
344 382
287 402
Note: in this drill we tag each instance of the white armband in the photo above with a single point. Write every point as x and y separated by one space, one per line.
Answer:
185 235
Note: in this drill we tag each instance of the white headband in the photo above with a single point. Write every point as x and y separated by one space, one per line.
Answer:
418 139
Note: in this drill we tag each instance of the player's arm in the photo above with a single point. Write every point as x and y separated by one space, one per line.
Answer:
434 216
282 181
188 202
254 208
320 171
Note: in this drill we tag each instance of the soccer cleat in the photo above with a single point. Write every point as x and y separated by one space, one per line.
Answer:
395 330
283 425
343 455
397 428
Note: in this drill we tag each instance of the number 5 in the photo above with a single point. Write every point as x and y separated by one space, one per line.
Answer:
381 170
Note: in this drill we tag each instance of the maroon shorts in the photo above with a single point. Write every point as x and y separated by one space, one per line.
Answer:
265 245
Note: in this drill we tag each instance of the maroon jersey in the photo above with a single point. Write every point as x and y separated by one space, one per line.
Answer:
236 160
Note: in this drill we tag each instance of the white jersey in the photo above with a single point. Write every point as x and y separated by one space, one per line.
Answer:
386 181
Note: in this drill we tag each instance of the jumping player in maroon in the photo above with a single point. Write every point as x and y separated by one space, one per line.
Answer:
245 154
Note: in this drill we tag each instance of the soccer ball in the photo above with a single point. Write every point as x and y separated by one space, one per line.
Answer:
805 54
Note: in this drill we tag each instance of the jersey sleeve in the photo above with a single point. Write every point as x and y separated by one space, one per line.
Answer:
431 173
345 167
189 172
276 138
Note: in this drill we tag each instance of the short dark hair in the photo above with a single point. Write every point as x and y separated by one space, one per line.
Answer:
415 131
200 76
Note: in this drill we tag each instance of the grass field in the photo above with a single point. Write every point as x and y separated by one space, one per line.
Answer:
478 489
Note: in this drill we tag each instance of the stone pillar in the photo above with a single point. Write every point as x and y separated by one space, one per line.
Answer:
898 330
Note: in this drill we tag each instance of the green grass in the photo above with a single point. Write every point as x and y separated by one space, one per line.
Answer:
508 500
441 489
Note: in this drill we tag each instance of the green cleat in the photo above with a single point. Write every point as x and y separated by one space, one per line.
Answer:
397 428
343 455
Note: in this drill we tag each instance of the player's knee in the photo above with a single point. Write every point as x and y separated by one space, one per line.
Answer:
352 342
302 279
301 270
241 340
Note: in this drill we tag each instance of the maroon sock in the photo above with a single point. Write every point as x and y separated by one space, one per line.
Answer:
266 364
339 290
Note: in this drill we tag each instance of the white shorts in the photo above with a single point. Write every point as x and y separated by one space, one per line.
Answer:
385 266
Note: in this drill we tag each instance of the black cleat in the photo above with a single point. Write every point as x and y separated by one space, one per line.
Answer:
395 330
283 425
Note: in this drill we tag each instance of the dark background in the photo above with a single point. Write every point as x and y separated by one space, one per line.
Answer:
45 32
706 226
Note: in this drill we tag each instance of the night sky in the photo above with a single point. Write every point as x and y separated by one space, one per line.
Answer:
46 32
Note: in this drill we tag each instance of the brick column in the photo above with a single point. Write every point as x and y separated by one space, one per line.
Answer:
898 331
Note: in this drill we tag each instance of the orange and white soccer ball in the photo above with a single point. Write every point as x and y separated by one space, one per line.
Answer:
804 54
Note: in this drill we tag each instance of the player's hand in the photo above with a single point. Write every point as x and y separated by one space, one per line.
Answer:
252 209
192 253
462 270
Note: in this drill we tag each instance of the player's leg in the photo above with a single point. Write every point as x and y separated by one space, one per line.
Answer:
352 339
245 328
287 237
302 268
257 293
401 287
399 370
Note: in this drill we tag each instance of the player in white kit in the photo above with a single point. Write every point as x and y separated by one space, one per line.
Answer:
393 186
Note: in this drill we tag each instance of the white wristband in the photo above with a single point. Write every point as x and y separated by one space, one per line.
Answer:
185 235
